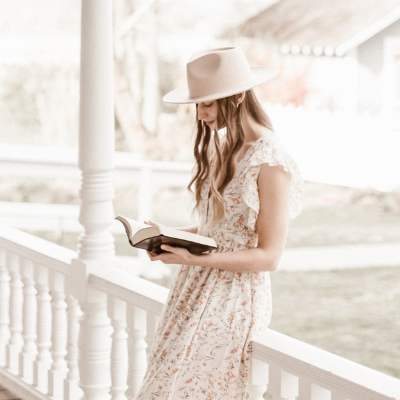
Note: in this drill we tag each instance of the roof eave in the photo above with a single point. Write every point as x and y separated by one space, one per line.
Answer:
350 44
368 32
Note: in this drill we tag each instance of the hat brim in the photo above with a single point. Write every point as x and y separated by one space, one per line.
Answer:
260 74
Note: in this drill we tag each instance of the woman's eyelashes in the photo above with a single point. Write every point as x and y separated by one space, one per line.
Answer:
208 105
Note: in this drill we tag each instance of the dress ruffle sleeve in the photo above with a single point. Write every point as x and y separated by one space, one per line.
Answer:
269 150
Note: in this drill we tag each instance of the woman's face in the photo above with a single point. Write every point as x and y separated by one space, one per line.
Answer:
208 112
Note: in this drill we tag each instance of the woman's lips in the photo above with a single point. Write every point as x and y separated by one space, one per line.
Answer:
208 122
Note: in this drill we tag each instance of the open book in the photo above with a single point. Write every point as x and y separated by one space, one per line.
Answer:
153 237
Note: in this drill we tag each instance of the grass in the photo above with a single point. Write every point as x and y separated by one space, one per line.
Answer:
335 215
353 313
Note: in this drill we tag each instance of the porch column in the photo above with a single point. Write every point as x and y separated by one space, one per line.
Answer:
96 136
96 161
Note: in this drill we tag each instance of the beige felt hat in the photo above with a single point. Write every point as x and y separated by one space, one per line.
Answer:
217 73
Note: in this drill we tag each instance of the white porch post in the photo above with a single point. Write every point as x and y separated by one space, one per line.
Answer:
96 138
96 161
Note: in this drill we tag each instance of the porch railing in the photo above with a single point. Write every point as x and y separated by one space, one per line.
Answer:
54 346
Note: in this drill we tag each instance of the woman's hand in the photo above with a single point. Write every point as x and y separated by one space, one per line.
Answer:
174 255
152 223
191 228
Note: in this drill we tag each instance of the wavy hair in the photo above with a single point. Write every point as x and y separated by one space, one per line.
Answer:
214 158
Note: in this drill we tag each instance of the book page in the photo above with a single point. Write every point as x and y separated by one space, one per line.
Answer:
136 225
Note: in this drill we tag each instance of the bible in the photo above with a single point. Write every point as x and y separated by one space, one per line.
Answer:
152 238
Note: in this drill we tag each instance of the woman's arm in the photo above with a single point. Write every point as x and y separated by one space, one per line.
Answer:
272 226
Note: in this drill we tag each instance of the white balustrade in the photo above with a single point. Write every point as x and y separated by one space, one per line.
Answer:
319 393
44 325
338 396
29 310
95 347
144 302
303 372
283 386
152 323
16 298
4 306
304 389
275 384
59 334
35 297
138 363
119 349
259 379
71 388
118 322
290 384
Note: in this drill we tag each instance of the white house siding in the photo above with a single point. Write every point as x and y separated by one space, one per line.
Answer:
372 87
333 83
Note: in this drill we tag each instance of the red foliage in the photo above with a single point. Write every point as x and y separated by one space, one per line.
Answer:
290 86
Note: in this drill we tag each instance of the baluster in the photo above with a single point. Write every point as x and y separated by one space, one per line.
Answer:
95 347
152 322
29 310
283 386
4 307
274 382
304 389
319 393
259 378
58 370
71 388
138 356
119 350
289 386
43 361
335 395
16 299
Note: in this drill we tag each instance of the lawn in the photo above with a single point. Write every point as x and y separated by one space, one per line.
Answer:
353 313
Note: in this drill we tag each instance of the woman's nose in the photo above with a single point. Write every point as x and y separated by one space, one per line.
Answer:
200 112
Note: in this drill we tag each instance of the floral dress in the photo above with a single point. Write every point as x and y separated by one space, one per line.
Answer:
202 347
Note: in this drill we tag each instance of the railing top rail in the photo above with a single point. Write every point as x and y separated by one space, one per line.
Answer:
322 367
132 289
10 153
36 249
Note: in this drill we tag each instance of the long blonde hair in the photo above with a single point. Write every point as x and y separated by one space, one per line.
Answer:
222 168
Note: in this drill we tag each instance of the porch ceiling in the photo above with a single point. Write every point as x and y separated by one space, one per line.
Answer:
322 23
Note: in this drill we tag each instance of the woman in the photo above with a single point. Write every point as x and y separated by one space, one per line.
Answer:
246 189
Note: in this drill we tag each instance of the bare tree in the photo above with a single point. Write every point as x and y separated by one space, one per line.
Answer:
136 70
42 100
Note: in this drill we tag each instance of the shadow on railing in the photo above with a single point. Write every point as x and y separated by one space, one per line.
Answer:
42 314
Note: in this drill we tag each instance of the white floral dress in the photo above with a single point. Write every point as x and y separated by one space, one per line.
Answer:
203 343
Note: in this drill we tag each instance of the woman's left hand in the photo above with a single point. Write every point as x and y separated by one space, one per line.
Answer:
174 255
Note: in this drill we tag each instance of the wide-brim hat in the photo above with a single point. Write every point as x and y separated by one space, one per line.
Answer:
217 73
